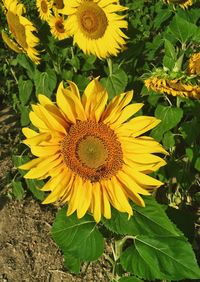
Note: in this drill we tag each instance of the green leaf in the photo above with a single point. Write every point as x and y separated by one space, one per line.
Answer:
78 237
151 219
27 64
25 90
169 116
72 263
182 29
168 140
33 185
170 57
197 164
18 190
24 119
165 257
115 83
187 130
45 82
129 279
20 160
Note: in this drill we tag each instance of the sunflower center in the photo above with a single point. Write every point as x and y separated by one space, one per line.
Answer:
44 6
92 150
17 29
92 20
59 26
59 4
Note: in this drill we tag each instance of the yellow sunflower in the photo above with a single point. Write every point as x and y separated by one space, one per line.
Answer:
172 87
44 8
21 29
182 3
95 26
94 154
194 64
57 26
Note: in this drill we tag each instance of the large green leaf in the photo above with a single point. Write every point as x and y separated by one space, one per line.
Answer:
170 57
72 263
34 185
130 279
169 257
149 220
78 237
182 29
45 82
169 116
25 90
115 83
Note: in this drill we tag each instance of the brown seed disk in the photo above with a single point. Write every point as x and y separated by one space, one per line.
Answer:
92 150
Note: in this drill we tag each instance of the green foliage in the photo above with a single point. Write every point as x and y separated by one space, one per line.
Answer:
167 257
78 238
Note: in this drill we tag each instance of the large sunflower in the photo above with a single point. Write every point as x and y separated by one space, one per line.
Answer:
194 64
182 3
93 154
22 29
174 87
95 26
44 8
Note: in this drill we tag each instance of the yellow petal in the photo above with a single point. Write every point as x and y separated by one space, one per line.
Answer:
37 122
43 167
40 151
40 137
31 164
84 199
97 199
106 204
137 126
29 133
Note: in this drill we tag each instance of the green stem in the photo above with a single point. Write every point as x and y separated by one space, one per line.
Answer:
109 62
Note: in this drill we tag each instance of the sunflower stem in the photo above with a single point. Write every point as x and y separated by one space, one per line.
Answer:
109 62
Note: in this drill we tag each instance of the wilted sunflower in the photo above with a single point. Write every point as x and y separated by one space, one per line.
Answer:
22 30
194 64
44 8
172 87
94 154
182 3
57 26
95 26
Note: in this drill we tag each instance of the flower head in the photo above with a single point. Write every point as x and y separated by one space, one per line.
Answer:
93 154
174 87
184 4
44 8
194 64
57 25
95 26
21 29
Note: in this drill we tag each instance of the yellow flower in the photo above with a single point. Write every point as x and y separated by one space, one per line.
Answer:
93 154
57 26
44 8
172 87
22 30
194 64
95 26
182 3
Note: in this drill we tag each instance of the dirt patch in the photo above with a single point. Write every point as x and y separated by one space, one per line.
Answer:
27 252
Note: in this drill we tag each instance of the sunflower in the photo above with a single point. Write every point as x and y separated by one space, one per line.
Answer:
57 26
94 155
174 87
95 26
182 3
44 8
194 64
21 29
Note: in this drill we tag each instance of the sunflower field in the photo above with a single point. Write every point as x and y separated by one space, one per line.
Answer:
106 99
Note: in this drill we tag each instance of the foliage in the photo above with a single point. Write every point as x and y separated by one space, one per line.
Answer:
162 37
